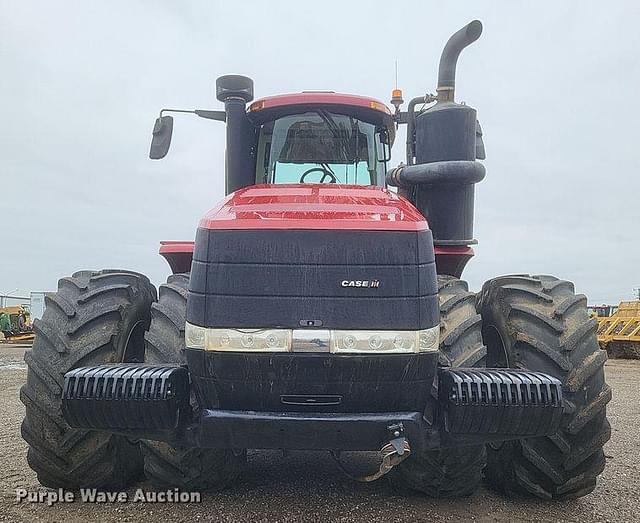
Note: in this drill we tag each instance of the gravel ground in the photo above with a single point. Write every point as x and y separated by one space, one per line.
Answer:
307 486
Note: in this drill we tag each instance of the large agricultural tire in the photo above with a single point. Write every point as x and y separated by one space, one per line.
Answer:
186 468
453 472
539 323
94 318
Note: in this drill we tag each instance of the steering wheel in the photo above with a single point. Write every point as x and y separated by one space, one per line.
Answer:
332 177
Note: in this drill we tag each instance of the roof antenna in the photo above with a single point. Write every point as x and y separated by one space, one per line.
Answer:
396 73
396 94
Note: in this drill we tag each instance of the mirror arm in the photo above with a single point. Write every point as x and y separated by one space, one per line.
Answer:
401 117
220 116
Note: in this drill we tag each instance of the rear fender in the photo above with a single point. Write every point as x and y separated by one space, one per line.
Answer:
452 259
178 254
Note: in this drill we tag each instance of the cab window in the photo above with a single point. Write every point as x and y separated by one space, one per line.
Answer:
321 147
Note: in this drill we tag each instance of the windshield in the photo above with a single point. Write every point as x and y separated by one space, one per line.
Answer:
321 147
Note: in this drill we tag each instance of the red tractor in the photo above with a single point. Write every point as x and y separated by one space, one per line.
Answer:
317 309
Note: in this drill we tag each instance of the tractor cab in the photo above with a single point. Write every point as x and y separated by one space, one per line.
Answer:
310 137
325 140
321 137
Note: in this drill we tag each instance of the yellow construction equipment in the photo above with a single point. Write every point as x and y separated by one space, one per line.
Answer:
619 329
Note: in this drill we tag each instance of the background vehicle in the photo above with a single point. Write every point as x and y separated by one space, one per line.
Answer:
15 324
619 329
602 311
316 309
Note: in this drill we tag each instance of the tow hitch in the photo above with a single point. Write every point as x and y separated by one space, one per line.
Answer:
392 453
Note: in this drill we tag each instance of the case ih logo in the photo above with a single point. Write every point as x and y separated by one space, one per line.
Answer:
360 283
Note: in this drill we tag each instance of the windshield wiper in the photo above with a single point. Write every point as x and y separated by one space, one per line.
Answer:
336 131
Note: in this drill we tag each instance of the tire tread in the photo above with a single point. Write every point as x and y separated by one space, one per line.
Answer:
79 325
453 472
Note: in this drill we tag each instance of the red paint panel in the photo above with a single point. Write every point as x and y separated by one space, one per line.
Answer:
173 246
452 259
453 250
315 206
178 255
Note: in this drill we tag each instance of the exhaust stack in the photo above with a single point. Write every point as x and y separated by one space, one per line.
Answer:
443 143
449 59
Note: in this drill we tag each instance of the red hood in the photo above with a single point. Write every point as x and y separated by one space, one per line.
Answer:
315 206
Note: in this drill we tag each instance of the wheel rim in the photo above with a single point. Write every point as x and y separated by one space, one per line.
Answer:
497 354
497 357
134 348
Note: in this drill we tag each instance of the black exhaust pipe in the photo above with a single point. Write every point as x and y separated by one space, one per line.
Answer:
449 59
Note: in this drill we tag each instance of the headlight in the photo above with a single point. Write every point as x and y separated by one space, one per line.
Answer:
236 340
392 342
194 336
312 340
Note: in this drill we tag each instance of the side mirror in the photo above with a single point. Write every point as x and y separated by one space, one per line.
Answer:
383 150
162 131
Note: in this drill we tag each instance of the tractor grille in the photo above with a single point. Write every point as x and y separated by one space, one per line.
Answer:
342 279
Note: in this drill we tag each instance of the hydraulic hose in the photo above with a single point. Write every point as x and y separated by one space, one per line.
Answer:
455 172
411 122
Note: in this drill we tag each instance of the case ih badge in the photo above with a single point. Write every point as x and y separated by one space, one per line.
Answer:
360 283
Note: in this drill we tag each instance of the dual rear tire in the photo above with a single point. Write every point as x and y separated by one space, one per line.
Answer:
101 317
532 323
95 317
183 467
539 323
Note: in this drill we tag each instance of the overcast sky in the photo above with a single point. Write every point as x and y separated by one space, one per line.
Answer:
555 85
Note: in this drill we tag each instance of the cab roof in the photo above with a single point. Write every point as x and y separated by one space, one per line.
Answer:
318 97
364 107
